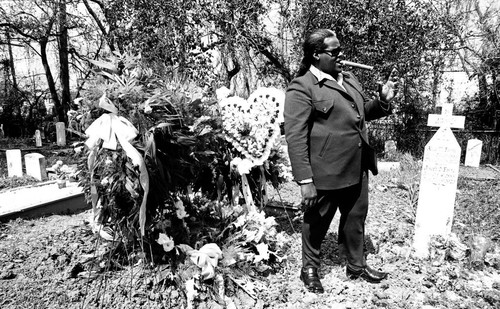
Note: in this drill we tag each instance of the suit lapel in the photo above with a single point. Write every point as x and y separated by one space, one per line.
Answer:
336 86
353 91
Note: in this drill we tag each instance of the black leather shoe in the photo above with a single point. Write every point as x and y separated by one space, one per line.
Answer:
368 274
309 275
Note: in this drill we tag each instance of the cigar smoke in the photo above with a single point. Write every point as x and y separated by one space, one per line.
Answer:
356 65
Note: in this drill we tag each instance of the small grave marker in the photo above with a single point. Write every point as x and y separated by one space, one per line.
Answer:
35 165
390 150
473 154
61 134
38 138
14 163
438 183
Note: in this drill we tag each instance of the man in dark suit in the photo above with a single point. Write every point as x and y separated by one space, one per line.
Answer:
325 127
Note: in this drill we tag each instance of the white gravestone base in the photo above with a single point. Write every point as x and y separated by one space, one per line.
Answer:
36 166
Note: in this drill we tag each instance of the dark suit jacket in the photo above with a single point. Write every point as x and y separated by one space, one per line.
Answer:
326 131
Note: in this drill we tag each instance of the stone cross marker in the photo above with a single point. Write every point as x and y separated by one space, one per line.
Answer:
36 165
61 134
473 154
438 182
14 163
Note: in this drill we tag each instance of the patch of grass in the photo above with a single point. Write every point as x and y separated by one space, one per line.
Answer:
476 208
14 182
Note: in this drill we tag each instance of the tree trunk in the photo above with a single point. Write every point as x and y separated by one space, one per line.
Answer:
63 63
48 74
11 60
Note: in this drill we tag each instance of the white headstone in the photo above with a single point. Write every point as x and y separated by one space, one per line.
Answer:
38 138
61 134
390 150
438 182
35 165
14 163
473 154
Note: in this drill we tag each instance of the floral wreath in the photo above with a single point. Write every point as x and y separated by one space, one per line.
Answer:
252 126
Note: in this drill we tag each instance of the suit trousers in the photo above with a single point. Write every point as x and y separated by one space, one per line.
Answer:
352 202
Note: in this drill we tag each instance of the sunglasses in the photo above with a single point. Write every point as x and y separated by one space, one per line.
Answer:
332 53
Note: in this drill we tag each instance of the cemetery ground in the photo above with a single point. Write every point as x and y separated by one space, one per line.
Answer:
53 262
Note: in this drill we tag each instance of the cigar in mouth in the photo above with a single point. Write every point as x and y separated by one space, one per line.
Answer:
356 65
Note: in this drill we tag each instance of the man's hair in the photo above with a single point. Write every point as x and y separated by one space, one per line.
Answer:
314 41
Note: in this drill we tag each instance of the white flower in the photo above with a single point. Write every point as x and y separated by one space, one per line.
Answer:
226 211
235 162
105 181
148 109
181 213
222 93
240 221
263 250
166 242
180 210
242 165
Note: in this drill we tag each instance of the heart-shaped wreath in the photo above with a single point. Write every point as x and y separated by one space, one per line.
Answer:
252 125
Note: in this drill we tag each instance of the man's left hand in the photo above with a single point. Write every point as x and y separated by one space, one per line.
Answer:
389 90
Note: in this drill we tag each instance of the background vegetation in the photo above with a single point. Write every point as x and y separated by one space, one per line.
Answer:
246 44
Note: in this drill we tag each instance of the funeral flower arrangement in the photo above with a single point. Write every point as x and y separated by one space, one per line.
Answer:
252 125
162 172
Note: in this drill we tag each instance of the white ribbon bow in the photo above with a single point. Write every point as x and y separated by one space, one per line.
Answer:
112 129
206 258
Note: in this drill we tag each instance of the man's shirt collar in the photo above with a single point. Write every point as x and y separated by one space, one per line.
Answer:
320 75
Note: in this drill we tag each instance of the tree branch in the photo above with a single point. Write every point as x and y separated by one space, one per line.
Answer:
19 30
98 21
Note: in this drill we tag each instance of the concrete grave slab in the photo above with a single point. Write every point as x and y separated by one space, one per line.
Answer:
41 199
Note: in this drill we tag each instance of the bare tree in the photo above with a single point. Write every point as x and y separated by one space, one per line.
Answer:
42 25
